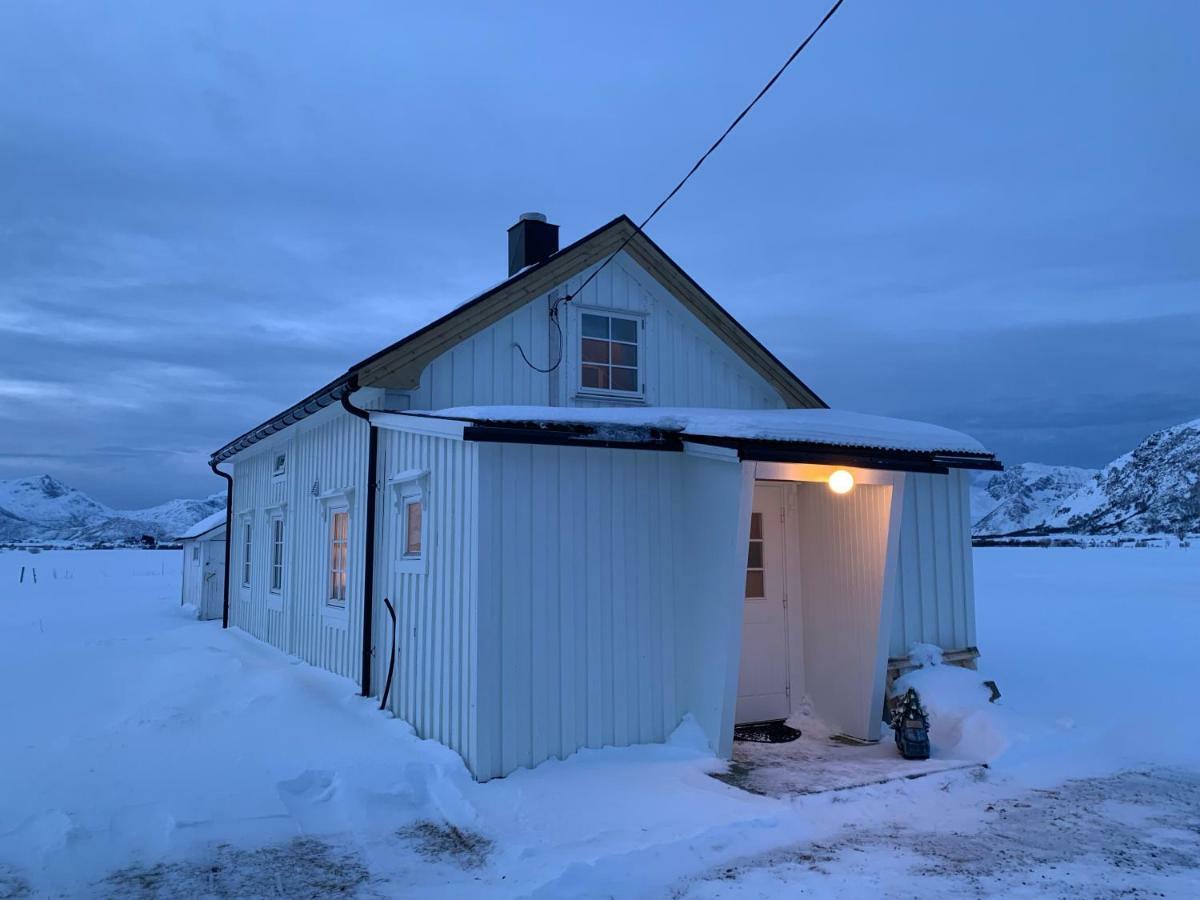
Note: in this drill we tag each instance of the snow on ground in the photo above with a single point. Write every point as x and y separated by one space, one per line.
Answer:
147 754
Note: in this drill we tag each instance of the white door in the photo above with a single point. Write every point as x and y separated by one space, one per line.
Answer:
212 588
763 679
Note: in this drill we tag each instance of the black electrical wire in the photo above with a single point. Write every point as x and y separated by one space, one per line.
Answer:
558 328
675 190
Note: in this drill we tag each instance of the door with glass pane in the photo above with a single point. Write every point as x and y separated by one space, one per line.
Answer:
763 678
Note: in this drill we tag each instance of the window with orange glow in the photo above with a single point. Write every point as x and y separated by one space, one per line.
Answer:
339 547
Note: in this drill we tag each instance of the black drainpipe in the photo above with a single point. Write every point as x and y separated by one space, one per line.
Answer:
228 534
369 537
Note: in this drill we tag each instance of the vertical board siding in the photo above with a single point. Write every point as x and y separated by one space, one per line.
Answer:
576 601
326 452
840 546
935 591
684 363
434 641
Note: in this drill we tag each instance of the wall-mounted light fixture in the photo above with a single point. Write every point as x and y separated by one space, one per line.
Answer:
841 481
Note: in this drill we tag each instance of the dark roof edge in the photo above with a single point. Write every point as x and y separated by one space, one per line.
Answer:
313 403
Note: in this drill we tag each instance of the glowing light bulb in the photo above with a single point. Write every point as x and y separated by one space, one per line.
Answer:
841 481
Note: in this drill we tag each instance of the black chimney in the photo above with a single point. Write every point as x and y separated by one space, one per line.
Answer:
530 241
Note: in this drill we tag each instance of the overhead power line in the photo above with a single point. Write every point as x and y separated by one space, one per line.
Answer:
675 190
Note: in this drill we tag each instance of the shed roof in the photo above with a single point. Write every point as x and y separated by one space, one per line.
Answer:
399 365
204 526
802 435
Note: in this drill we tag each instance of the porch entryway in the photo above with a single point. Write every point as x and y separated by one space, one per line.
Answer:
819 585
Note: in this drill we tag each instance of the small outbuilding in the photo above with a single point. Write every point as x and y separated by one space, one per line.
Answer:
203 583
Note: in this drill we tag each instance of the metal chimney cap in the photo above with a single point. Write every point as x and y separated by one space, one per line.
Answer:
532 217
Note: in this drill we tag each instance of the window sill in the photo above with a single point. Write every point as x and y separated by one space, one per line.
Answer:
629 399
406 566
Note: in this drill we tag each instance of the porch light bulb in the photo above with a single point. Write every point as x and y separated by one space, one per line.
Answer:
841 481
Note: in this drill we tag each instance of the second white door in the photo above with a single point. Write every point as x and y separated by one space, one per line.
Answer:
763 679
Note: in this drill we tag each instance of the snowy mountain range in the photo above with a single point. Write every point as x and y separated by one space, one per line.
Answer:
43 509
1154 489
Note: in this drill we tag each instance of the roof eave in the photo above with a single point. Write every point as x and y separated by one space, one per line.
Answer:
934 462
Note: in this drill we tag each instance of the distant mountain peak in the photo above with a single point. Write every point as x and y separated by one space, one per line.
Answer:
52 487
1152 489
42 508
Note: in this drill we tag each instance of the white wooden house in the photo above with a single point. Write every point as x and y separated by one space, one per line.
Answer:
204 566
580 557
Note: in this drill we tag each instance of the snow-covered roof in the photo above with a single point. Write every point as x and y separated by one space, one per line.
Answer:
823 427
204 526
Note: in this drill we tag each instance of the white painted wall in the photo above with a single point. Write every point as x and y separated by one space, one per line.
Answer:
936 583
714 530
326 452
609 598
578 582
685 363
434 682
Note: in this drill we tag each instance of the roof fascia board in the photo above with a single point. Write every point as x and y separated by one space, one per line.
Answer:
401 368
711 451
418 424
491 434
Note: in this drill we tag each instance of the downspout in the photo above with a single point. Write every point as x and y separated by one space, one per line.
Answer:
369 537
228 534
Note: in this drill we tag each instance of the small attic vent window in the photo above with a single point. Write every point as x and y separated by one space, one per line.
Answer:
280 466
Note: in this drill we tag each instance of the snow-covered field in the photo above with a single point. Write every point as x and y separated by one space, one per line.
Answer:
146 754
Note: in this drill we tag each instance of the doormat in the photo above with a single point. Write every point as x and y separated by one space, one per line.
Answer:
766 733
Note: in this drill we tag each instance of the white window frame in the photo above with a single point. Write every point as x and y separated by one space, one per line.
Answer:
279 471
339 500
247 558
278 535
639 320
332 603
408 487
196 554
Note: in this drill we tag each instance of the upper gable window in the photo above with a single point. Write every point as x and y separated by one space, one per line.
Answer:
279 465
610 353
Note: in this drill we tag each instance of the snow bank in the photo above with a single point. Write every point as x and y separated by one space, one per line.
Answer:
963 724
815 426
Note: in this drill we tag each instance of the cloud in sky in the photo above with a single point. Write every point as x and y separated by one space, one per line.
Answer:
985 216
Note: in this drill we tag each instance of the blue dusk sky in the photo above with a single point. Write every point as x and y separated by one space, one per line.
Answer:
985 215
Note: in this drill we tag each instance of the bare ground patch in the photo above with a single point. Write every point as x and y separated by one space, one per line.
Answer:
302 868
446 843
